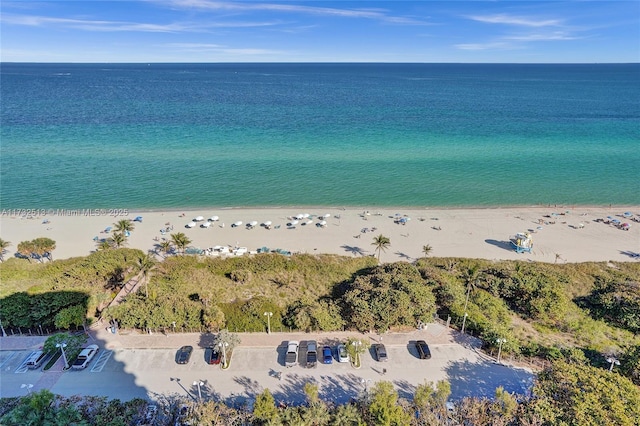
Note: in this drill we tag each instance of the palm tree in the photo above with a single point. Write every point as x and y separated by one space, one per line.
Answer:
104 244
3 248
146 264
43 247
122 226
426 249
471 275
26 249
117 240
165 246
180 240
381 243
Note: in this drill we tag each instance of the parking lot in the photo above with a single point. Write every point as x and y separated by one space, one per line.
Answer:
125 372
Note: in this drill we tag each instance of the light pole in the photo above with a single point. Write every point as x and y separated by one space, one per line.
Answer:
223 347
199 383
64 355
500 342
466 301
613 362
268 315
28 386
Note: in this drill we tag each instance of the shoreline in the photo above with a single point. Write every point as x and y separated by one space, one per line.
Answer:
573 232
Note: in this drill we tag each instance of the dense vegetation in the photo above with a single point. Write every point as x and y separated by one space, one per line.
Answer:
566 394
574 315
542 310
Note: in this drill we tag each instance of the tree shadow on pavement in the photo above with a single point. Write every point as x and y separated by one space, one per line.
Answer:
480 379
405 389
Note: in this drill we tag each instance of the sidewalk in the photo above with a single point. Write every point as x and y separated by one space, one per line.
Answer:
434 334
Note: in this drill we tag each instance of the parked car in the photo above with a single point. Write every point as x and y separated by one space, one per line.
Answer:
423 349
212 356
343 356
35 359
381 352
327 355
85 356
184 354
291 358
312 354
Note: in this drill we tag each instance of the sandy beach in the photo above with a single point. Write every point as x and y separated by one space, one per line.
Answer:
576 234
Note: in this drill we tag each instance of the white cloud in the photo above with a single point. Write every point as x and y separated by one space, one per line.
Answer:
218 48
516 20
558 35
375 14
484 46
107 26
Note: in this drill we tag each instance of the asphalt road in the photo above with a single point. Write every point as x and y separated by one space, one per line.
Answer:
126 373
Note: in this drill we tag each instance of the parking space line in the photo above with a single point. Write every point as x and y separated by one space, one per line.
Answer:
101 361
8 359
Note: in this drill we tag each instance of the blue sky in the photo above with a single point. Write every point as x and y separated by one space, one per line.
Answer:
320 31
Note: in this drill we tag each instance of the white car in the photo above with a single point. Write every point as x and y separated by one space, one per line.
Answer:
343 356
85 357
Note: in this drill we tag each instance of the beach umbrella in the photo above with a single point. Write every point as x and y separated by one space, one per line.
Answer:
252 224
191 224
199 219
305 215
238 223
327 215
628 214
292 223
267 223
205 225
299 216
615 221
214 218
322 223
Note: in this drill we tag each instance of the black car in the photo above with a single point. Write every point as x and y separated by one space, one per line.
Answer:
184 354
212 356
381 352
423 349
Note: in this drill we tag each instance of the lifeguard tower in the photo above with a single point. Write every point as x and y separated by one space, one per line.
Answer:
522 242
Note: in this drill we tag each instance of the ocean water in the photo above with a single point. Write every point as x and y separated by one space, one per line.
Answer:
155 136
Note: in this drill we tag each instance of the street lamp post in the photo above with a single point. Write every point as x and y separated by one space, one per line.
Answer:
64 355
268 315
500 342
613 361
223 347
199 383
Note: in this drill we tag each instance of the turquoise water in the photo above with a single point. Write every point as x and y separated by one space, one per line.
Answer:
193 135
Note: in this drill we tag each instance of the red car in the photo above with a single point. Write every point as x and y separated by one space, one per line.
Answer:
212 356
